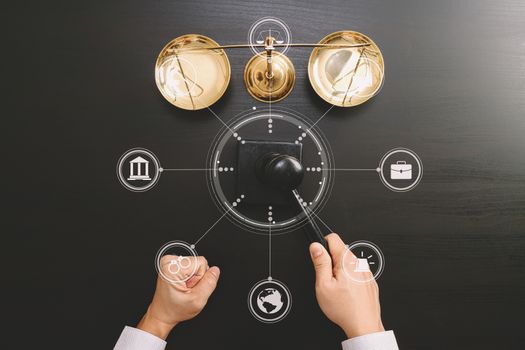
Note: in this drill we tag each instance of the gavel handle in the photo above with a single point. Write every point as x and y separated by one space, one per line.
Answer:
314 232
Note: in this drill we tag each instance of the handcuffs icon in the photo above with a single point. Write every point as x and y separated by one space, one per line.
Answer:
182 262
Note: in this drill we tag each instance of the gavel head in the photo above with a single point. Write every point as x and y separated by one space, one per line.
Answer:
280 171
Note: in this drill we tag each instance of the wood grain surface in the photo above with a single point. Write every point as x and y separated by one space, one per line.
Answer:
79 90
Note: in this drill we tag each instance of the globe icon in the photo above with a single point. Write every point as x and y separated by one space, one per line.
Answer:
269 301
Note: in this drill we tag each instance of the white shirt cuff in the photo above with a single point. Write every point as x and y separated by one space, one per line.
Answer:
136 339
373 341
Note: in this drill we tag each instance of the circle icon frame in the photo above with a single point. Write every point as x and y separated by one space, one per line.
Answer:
156 176
374 248
413 183
164 249
266 20
288 307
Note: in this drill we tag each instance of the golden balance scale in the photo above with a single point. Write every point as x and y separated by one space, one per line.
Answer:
346 68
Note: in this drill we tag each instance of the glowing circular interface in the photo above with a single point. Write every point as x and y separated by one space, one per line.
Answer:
269 26
231 170
176 262
269 301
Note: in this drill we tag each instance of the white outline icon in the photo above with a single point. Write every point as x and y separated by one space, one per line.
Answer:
362 263
400 170
178 263
414 182
281 33
281 315
139 161
140 171
182 262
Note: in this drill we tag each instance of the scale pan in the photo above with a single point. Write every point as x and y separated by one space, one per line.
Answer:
190 78
346 77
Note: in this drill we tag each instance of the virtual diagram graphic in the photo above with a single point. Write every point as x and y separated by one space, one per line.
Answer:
270 170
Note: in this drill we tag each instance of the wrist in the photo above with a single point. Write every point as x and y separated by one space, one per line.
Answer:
353 332
153 325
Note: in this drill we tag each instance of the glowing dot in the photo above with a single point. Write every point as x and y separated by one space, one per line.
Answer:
322 163
303 134
254 108
270 131
270 219
161 170
319 153
234 204
243 142
270 120
231 169
378 170
220 169
300 138
304 204
273 222
242 195
318 169
300 127
270 278
310 203
296 142
239 138
192 246
320 182
238 200
270 213
225 169
270 208
235 135
218 161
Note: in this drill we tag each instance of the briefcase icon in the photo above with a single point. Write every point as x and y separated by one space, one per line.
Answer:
401 171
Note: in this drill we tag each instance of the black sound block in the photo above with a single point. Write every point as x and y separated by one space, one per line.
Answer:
248 184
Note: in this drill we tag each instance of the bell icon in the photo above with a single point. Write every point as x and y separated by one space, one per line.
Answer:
361 265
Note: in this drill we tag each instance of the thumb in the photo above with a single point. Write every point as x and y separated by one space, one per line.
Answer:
322 262
208 282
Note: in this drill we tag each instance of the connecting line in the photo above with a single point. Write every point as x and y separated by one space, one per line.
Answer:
317 216
212 226
318 120
350 169
271 88
223 123
270 251
164 169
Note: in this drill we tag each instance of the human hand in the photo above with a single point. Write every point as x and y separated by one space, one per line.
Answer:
353 306
177 302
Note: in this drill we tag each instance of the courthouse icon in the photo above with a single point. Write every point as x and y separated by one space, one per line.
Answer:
139 169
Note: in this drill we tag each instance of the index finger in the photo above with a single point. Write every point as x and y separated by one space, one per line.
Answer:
337 248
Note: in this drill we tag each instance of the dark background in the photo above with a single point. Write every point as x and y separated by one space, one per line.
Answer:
78 90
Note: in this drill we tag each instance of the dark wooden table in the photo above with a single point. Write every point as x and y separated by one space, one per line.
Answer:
79 90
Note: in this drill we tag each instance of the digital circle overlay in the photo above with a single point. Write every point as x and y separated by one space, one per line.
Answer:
269 301
269 26
280 126
400 169
366 263
138 169
181 265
